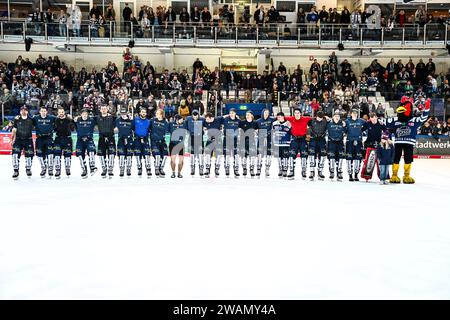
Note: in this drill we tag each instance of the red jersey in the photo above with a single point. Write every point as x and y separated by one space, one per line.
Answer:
299 127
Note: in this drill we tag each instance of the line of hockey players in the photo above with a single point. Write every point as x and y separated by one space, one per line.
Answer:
247 143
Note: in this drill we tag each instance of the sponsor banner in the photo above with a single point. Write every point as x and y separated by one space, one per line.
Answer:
37 38
13 37
226 41
392 43
283 42
271 42
334 42
350 43
100 39
310 42
413 42
119 40
205 41
79 39
247 41
164 40
426 145
54 38
189 41
435 42
372 43
143 40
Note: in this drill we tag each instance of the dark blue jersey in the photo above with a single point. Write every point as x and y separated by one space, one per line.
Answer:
231 125
85 128
213 127
158 129
354 129
195 127
406 132
44 126
335 130
180 130
141 127
124 126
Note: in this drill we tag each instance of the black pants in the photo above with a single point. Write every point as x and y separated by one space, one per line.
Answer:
407 150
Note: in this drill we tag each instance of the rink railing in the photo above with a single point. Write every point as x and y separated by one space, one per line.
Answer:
287 35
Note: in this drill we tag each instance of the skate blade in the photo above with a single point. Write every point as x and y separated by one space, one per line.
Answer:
85 177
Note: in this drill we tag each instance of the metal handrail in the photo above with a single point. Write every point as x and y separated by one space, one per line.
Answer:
324 35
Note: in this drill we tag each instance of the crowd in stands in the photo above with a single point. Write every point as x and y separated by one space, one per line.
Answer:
225 16
329 86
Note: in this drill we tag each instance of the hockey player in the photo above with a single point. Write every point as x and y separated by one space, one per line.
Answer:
159 127
248 139
194 125
230 141
106 142
264 125
335 149
141 129
22 140
176 145
44 125
63 145
405 128
281 130
124 126
353 145
317 145
299 130
85 143
213 145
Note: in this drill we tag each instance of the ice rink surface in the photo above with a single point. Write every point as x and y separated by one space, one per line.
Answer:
222 238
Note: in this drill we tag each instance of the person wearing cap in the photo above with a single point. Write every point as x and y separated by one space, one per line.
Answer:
299 145
159 127
125 150
22 140
317 146
85 143
385 155
178 134
281 130
353 145
195 125
248 139
335 148
230 143
45 124
264 125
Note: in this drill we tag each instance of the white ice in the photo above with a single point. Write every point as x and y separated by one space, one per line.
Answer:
222 238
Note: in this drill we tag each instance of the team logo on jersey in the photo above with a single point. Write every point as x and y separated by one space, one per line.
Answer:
403 132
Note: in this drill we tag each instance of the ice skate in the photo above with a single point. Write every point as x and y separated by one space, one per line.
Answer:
68 172
339 176
311 176
43 171
84 174
320 175
93 170
28 171
16 174
58 174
